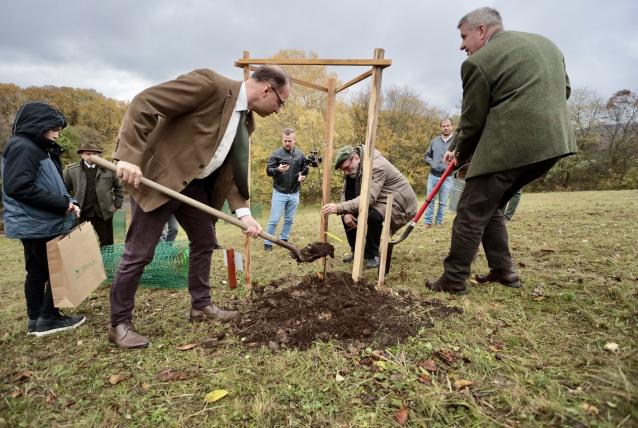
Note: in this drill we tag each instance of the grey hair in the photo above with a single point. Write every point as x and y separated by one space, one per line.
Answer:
482 16
288 131
273 75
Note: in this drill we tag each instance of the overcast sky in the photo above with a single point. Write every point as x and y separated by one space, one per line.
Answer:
119 47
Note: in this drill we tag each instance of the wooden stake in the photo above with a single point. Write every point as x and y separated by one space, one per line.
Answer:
374 106
377 62
247 239
385 238
327 160
230 261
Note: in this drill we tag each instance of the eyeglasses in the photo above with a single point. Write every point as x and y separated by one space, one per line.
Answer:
281 101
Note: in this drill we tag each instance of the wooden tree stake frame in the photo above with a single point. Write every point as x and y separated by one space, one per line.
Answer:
377 64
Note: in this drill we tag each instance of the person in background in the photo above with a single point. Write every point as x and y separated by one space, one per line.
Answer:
434 157
511 206
37 208
170 231
97 190
288 170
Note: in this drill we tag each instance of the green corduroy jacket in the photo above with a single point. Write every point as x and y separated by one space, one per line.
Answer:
514 112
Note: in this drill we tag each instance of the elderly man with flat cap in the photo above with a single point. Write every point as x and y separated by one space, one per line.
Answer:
386 179
97 190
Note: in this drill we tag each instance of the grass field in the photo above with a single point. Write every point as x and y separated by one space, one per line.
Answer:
535 356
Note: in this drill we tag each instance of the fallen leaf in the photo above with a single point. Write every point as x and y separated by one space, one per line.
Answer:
116 378
16 393
498 344
426 379
339 378
50 397
210 343
461 384
23 375
447 356
167 375
537 292
429 365
402 415
589 408
146 386
611 347
380 364
187 347
215 395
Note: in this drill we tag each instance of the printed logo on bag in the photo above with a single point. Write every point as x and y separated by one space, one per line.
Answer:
80 270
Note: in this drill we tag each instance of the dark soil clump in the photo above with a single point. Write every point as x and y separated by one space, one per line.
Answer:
310 310
315 251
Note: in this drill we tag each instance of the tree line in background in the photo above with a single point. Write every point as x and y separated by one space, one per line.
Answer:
606 131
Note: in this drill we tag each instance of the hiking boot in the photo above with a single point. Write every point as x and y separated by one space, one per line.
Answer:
444 284
124 335
212 312
31 326
57 322
348 258
267 247
372 263
506 277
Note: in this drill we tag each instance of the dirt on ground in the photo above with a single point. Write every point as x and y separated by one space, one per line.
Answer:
295 312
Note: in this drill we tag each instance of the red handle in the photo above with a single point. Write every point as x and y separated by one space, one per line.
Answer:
434 191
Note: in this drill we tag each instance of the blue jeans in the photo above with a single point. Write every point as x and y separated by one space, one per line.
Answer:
442 196
282 203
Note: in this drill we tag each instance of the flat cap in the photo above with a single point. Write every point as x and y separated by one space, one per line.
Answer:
342 155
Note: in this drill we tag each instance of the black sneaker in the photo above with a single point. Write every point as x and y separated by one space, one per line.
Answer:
348 258
267 247
31 326
56 323
372 263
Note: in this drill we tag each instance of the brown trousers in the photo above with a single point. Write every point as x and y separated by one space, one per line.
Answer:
142 238
479 219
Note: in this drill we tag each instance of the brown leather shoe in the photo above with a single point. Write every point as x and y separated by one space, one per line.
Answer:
125 336
444 284
507 277
212 312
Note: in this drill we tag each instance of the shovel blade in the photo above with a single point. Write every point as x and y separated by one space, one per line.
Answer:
388 258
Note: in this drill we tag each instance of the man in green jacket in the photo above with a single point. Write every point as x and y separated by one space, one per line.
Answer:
97 190
514 127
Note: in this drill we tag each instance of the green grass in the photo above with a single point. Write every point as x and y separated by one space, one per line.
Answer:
535 356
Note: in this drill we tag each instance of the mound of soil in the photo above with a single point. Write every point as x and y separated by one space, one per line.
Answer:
306 309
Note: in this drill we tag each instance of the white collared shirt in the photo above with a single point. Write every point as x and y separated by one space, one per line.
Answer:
88 165
445 140
227 141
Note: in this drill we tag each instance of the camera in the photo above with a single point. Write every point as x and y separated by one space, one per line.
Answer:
313 159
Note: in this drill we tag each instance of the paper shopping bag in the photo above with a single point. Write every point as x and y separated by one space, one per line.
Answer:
75 266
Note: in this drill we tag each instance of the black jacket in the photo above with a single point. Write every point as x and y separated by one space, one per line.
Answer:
34 195
287 182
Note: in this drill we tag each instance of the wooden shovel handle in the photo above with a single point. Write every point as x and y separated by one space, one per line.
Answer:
196 204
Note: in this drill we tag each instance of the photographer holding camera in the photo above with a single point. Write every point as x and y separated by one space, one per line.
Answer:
288 167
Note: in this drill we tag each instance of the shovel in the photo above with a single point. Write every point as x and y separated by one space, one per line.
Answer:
419 213
300 256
